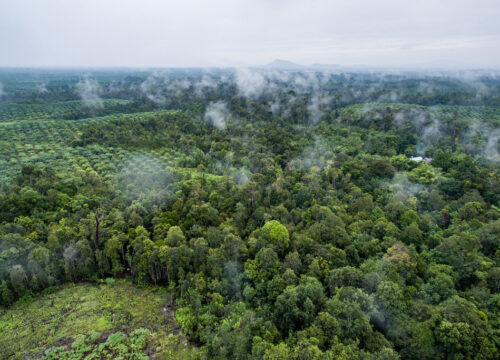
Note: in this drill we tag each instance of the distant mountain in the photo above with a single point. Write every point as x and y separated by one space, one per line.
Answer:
280 64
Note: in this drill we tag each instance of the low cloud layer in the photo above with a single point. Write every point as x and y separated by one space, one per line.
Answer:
88 90
217 114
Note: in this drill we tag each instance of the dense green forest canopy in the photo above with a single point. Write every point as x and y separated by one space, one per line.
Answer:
292 215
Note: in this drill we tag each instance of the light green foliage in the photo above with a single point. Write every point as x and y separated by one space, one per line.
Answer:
117 346
186 320
423 173
276 233
278 352
175 236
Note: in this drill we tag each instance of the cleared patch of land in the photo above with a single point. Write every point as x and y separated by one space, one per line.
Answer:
56 318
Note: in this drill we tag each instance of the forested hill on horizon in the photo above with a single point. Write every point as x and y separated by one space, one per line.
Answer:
275 212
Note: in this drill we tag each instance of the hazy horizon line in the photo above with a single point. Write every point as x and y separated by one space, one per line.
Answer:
314 66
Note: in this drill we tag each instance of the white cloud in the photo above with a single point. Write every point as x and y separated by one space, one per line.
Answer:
88 90
217 113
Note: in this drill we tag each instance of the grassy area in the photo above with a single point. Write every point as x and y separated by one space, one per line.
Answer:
55 319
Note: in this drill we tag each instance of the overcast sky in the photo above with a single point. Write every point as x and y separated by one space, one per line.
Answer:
164 33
